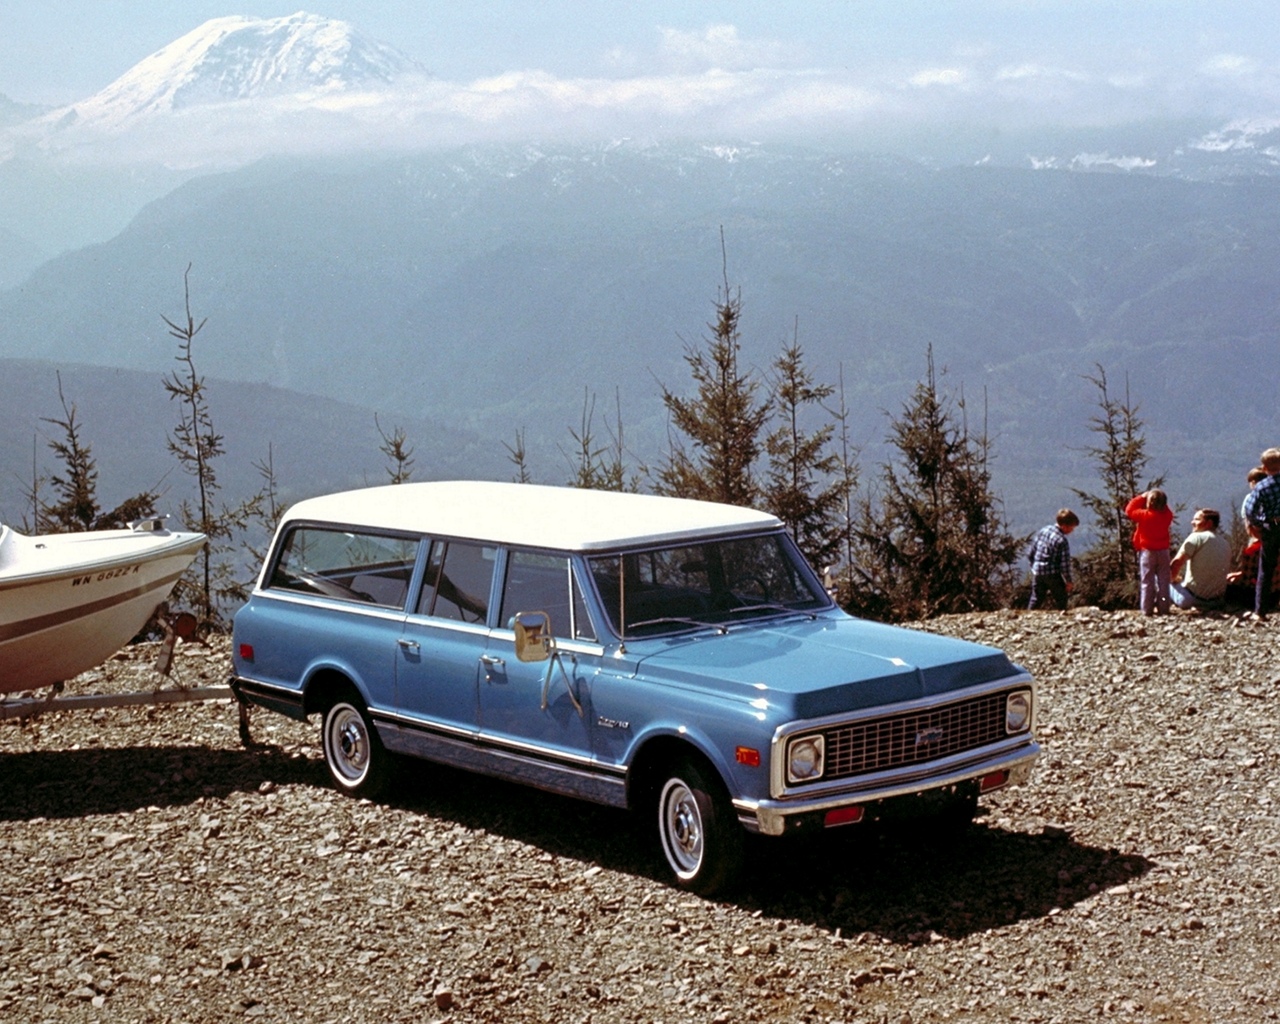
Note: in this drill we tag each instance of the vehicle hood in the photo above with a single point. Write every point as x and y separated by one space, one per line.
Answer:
811 668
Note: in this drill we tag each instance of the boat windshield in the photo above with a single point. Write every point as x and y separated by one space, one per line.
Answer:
708 584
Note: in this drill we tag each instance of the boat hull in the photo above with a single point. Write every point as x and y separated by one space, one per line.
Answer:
68 602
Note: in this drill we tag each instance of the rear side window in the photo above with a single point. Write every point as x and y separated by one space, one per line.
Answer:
367 567
458 579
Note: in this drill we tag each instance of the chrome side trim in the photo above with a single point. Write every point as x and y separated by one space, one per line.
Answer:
585 648
372 611
554 771
395 718
261 692
532 752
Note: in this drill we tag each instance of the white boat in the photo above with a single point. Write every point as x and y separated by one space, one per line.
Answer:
68 601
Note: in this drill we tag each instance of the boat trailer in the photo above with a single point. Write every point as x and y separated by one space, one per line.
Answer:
178 627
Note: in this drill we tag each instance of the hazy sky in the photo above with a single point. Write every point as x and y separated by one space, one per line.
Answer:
1071 60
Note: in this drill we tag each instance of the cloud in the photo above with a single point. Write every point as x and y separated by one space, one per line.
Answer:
1091 161
1032 72
1129 80
718 47
1229 65
710 81
938 77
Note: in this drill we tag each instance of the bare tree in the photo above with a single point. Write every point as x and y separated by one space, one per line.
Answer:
395 446
197 446
519 457
599 465
1109 569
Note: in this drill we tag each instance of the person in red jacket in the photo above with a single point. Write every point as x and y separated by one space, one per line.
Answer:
1152 517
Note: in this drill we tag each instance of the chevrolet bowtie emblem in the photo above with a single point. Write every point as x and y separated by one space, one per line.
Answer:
933 734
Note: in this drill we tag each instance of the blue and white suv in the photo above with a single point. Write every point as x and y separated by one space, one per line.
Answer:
675 657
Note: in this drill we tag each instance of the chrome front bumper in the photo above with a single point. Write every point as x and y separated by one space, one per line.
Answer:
772 817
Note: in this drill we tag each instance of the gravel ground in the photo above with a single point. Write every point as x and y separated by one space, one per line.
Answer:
156 870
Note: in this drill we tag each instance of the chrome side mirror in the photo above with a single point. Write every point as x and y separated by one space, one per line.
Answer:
533 636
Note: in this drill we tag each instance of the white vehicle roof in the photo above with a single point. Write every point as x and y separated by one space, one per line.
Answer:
529 515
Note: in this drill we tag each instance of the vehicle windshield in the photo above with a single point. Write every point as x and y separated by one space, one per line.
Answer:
710 583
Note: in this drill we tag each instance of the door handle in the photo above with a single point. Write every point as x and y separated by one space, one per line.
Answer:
489 661
409 645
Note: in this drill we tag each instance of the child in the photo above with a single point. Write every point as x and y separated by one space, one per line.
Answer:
1050 558
1152 517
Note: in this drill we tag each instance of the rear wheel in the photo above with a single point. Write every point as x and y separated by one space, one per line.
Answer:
357 761
699 834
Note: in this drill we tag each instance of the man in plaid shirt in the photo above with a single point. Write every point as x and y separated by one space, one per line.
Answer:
1262 512
1050 558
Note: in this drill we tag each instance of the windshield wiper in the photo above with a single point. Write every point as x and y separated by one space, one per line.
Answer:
678 620
771 606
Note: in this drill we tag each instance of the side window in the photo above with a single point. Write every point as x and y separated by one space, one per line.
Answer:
351 566
539 582
457 583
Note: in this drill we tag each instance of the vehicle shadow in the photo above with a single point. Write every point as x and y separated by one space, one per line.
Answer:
900 882
913 885
74 783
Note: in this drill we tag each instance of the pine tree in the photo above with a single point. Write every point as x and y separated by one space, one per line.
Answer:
719 429
936 543
77 486
804 487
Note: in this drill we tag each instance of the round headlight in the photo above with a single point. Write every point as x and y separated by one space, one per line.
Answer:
1017 712
805 759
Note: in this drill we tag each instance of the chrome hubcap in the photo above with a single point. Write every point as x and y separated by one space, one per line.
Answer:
681 827
348 745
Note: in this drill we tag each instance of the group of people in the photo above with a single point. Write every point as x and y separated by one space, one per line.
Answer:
1199 575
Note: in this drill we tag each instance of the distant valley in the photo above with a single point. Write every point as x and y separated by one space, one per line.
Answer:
489 289
314 444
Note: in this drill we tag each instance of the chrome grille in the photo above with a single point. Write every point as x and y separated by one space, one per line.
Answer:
897 741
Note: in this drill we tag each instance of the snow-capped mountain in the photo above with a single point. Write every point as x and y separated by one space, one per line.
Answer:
237 89
1247 145
240 58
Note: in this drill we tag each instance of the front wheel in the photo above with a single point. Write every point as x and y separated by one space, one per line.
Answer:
701 840
358 763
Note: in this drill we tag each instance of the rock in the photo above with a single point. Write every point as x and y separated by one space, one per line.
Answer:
152 863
